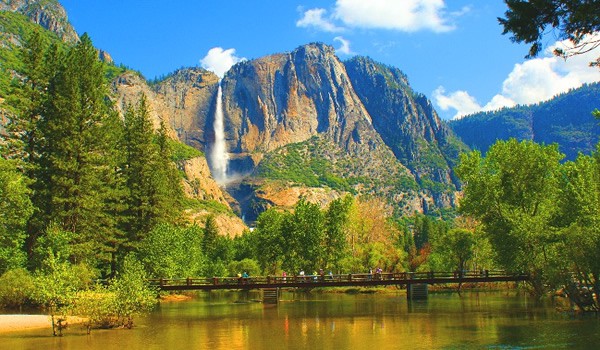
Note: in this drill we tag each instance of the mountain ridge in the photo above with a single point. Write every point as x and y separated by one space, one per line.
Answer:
565 119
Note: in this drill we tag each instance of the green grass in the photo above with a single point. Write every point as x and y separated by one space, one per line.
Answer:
208 205
181 151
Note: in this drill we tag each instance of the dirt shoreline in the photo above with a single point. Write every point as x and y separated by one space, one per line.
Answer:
15 323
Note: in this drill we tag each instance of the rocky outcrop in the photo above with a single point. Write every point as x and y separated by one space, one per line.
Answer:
188 96
177 104
287 98
199 184
47 13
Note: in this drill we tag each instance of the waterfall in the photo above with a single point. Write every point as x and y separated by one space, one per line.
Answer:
219 156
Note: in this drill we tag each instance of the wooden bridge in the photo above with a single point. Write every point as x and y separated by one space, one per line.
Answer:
329 280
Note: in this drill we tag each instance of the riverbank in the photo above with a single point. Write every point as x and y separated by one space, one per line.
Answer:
16 323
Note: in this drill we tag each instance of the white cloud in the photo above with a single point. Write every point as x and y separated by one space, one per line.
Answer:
219 60
345 46
529 82
498 102
315 18
405 15
460 101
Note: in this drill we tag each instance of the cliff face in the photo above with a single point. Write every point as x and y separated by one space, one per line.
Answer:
49 14
179 107
287 98
406 121
363 109
188 96
358 126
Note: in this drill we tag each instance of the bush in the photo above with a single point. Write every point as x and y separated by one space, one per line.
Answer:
132 293
16 288
250 266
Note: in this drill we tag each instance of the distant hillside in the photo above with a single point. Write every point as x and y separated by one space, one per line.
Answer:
566 120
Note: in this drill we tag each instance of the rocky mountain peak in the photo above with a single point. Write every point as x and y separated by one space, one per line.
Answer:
314 51
47 13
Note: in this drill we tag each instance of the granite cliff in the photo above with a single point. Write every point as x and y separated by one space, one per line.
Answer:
358 125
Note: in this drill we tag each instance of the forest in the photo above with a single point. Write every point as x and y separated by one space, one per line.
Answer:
92 206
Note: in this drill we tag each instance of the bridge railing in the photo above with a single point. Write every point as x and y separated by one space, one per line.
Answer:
329 278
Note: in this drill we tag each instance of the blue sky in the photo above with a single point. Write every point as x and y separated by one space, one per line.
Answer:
451 50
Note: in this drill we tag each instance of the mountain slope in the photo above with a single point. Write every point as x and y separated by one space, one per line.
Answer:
406 121
304 117
566 120
47 13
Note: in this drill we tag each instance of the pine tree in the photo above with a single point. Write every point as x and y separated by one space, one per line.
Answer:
211 234
152 180
27 102
76 158
140 160
169 188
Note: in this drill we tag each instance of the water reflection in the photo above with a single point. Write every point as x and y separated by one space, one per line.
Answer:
335 321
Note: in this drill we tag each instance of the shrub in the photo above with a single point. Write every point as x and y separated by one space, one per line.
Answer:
16 288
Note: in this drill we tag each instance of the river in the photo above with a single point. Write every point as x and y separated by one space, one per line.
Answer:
235 320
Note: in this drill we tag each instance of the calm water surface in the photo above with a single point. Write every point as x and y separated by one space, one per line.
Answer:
233 320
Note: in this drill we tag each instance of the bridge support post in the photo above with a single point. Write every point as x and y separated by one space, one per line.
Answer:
417 291
270 296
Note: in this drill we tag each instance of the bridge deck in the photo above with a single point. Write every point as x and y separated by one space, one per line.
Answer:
348 280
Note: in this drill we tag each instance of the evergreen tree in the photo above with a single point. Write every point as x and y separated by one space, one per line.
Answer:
169 190
153 182
140 160
77 153
211 234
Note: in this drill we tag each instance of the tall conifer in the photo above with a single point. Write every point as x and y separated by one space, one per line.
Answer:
76 158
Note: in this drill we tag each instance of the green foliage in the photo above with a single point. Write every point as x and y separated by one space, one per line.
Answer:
303 232
456 248
15 28
335 244
116 305
112 71
155 194
132 294
529 21
209 239
54 242
172 252
513 192
292 164
16 208
579 203
250 266
565 119
181 151
268 241
56 286
16 288
211 206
